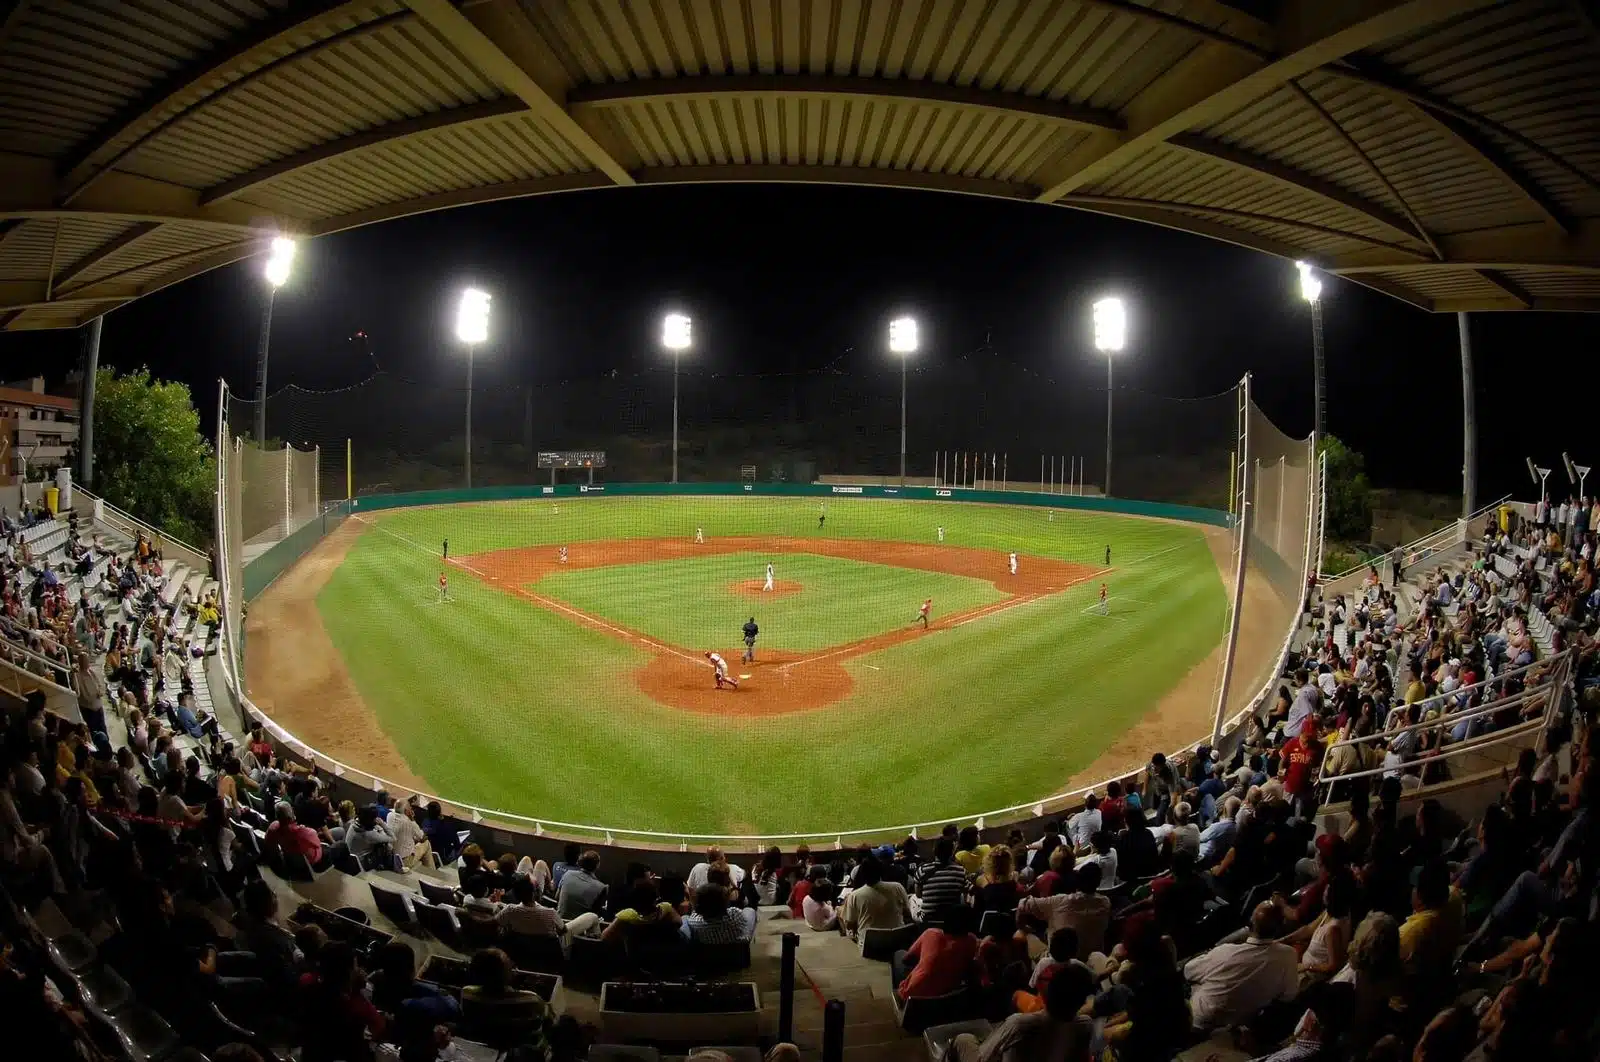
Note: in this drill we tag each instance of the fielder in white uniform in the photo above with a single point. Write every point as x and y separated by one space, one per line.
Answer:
699 536
720 668
941 532
1013 562
769 579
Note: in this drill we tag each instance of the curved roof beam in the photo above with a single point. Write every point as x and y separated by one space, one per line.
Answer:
27 185
1296 180
382 134
1218 79
265 48
624 93
490 57
1526 246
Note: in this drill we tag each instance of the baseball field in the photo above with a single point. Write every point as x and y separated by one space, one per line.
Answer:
578 690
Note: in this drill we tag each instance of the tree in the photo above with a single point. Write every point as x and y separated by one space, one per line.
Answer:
149 455
1349 493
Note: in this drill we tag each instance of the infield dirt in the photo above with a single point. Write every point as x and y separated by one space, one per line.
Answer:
780 682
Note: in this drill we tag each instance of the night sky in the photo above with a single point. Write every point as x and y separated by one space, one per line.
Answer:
794 278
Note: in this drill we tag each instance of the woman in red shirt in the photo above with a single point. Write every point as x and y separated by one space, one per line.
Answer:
945 958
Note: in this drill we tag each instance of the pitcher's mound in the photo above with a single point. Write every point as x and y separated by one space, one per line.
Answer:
753 587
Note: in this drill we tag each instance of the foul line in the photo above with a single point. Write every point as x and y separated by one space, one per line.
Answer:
544 602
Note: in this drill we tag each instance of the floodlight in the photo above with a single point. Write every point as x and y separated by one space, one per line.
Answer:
1533 473
472 317
903 335
1572 473
1110 325
676 331
279 261
1310 283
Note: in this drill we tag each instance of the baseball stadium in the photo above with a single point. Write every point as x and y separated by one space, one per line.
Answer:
539 655
751 663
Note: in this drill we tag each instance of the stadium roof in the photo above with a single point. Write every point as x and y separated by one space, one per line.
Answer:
1446 152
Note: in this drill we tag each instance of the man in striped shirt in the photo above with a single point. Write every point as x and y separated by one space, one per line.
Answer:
942 885
714 922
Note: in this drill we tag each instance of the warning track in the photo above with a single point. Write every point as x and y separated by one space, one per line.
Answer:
780 683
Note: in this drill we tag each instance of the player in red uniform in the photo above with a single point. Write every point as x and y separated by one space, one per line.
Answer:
720 667
444 587
922 613
1102 599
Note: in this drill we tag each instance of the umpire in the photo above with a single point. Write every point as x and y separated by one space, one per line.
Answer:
750 632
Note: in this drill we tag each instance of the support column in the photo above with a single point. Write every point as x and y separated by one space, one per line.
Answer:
1469 419
91 367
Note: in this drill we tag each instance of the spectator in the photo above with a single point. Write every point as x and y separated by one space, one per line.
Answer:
410 843
943 884
1322 1031
1055 1034
1160 782
1085 824
874 903
441 834
998 888
941 960
769 879
714 858
1106 856
1216 839
493 1011
1428 938
581 892
714 922
1323 943
802 889
1231 982
292 838
1083 910
1137 855
1061 863
370 840
970 851
336 1018
526 917
818 908
568 861
259 932
645 914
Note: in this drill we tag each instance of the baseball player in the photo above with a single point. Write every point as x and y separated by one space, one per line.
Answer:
720 667
750 632
445 549
561 555
444 587
1102 599
768 587
1108 555
922 613
699 536
1013 562
941 532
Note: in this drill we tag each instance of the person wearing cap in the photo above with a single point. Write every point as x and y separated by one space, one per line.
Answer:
1298 768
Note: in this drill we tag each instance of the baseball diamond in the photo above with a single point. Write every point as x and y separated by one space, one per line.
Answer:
579 689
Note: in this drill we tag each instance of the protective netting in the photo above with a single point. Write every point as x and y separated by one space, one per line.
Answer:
1282 523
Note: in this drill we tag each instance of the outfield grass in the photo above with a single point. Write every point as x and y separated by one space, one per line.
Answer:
499 702
693 602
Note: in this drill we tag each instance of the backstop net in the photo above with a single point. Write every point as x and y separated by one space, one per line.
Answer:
494 637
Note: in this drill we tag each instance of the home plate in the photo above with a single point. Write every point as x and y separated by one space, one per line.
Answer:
744 676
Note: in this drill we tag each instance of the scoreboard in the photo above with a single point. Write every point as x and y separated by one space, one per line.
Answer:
554 459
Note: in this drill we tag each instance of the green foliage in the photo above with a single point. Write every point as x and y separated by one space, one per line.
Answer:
1349 493
149 455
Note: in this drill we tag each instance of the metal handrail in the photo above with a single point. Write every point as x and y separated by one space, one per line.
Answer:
1456 526
197 557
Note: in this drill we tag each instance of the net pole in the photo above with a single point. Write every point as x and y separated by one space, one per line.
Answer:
1041 473
1233 478
1005 470
288 491
1277 531
316 481
349 474
1242 536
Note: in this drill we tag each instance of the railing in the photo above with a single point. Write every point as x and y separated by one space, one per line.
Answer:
1414 552
56 674
1552 687
131 526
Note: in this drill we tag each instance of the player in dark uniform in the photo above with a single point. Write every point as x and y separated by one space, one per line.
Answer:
750 632
822 518
1108 556
445 549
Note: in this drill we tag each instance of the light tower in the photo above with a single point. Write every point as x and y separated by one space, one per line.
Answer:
1110 336
903 341
677 333
472 328
276 272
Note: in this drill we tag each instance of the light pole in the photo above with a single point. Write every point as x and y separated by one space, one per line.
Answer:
903 341
1110 335
677 332
277 273
472 328
1311 291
